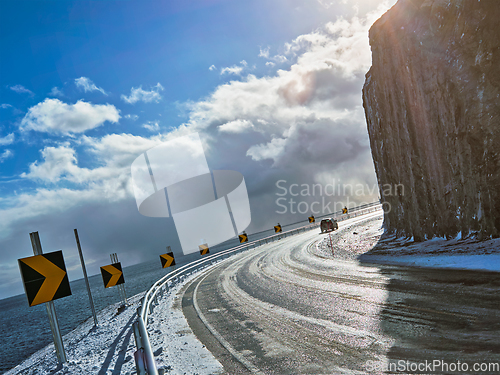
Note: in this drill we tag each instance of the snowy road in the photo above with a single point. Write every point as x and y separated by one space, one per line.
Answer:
291 308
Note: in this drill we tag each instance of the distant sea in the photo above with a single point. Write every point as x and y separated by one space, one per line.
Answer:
24 330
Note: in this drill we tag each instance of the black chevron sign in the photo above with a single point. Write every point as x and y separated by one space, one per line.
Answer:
277 228
204 249
45 278
243 238
167 260
312 219
112 275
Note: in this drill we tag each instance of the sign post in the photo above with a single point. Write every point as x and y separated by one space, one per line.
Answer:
121 287
51 310
96 323
331 243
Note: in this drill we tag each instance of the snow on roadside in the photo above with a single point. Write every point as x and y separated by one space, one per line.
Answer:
109 349
364 241
484 262
177 349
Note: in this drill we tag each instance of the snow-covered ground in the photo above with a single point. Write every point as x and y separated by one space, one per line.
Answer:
109 349
177 350
364 241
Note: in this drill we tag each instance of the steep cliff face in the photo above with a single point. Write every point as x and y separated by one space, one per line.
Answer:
432 105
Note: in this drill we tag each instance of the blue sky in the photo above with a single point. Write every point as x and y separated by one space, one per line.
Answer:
273 87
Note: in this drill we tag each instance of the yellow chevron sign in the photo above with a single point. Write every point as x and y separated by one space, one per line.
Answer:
277 228
203 249
112 275
44 277
167 260
243 238
312 219
344 210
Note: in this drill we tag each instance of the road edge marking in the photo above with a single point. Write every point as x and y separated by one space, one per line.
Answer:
252 368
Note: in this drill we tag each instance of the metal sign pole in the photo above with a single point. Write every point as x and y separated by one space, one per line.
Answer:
51 310
121 288
96 323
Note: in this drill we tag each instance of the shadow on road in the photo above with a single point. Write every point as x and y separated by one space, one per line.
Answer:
445 315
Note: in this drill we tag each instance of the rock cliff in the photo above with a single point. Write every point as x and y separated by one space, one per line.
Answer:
432 105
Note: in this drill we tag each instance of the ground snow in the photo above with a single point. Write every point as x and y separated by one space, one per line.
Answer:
364 241
484 262
109 349
105 350
177 349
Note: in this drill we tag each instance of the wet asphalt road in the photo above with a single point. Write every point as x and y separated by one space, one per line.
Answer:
286 308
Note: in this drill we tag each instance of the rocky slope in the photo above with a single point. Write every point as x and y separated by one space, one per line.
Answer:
432 104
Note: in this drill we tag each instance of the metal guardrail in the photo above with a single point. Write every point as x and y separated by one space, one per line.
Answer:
144 358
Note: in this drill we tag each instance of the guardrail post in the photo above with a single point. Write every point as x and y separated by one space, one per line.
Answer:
150 359
137 335
140 360
140 363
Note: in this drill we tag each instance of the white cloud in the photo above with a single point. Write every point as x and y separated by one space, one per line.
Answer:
235 69
120 150
279 59
131 117
7 140
111 155
271 150
152 126
5 105
276 59
87 85
138 94
56 92
58 162
326 4
21 90
212 67
264 52
236 126
5 155
54 116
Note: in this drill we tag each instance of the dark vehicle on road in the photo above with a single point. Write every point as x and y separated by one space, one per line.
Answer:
328 224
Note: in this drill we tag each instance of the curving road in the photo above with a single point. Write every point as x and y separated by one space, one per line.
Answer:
290 307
